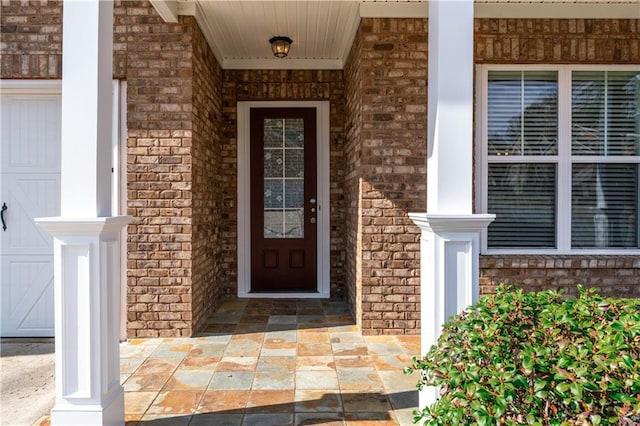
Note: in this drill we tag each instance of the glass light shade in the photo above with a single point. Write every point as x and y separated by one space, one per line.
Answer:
280 46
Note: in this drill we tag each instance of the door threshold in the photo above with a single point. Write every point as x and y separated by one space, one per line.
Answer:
285 295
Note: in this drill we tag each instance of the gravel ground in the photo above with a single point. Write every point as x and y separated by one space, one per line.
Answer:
26 380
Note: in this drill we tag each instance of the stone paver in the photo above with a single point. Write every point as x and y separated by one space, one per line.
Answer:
267 363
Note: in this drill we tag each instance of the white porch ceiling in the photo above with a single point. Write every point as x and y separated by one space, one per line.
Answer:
323 30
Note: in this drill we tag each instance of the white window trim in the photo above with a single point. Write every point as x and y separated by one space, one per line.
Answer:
244 206
563 223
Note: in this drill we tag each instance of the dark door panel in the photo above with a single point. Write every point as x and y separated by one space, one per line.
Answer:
283 199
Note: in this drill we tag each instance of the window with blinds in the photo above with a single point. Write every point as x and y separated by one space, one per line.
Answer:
604 205
556 155
523 113
523 198
605 119
523 125
605 123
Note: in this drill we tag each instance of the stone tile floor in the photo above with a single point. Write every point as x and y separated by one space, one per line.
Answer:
271 362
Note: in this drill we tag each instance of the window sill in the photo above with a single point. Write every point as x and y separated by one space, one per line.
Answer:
554 252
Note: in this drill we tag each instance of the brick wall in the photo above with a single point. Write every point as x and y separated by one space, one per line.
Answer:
31 39
352 154
557 41
303 85
208 210
386 162
159 171
560 41
617 276
174 156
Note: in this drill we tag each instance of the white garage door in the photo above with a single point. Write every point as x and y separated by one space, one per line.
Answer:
29 188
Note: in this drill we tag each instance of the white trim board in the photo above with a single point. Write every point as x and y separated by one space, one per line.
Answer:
31 87
244 210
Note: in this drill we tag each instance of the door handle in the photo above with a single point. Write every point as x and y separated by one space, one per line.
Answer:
4 207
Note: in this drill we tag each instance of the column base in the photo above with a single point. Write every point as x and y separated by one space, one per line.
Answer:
110 412
449 274
87 302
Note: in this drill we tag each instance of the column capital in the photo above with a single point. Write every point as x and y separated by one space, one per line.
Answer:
84 227
448 223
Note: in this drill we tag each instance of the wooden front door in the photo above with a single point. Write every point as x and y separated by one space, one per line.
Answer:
283 200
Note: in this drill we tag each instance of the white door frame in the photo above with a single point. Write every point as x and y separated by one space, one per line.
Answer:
244 195
119 187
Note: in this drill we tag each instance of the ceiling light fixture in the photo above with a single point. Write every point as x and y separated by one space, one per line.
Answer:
280 46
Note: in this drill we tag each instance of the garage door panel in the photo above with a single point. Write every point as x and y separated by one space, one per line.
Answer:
30 187
27 296
32 124
29 197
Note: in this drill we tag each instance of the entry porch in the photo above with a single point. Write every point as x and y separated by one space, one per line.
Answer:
268 362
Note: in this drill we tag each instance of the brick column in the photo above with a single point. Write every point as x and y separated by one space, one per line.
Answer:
449 245
385 175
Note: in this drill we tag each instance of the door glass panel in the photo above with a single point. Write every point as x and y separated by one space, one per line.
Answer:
294 193
294 132
273 194
293 164
273 163
273 224
284 178
293 224
273 132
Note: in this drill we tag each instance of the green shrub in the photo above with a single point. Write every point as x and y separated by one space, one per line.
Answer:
538 359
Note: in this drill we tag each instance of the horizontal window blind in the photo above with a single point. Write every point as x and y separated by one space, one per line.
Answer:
523 197
605 113
522 112
604 210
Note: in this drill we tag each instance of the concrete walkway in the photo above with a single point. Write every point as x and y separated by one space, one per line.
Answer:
270 362
26 380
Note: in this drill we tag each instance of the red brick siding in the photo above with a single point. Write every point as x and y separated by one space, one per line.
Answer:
386 75
31 39
208 190
352 154
588 41
174 115
159 76
617 276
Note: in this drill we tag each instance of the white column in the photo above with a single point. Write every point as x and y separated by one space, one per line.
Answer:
87 300
86 249
449 248
87 75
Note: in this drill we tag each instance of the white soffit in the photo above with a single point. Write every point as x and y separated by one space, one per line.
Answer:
238 31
